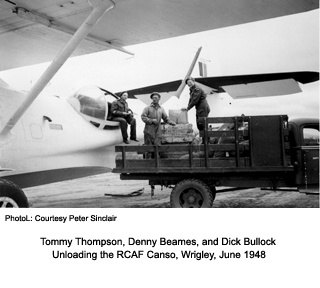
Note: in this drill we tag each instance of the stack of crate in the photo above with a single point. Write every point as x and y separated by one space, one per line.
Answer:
181 133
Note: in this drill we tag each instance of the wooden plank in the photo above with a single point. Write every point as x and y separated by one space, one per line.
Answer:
217 133
123 157
205 138
133 148
191 156
250 141
198 148
183 163
224 147
236 135
231 119
174 148
198 162
202 170
136 164
150 148
222 120
156 154
179 148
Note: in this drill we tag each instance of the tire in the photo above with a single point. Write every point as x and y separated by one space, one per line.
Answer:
191 193
11 196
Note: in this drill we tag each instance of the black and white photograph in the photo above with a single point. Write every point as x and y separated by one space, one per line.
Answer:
72 91
112 104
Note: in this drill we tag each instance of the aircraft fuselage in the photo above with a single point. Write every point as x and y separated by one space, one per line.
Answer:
52 135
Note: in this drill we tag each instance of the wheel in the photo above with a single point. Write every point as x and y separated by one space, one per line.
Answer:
11 196
191 193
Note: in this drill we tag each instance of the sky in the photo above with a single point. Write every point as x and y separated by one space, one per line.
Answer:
283 44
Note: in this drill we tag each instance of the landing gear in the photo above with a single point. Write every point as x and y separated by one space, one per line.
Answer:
191 193
11 196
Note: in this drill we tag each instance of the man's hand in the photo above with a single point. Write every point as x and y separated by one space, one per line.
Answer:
154 121
184 109
172 123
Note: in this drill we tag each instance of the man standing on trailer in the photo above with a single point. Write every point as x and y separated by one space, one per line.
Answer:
197 99
152 116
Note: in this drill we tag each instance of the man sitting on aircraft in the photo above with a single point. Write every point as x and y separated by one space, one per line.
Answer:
197 99
121 113
152 116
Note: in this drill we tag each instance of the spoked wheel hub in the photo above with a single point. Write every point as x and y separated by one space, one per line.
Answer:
191 193
6 202
191 198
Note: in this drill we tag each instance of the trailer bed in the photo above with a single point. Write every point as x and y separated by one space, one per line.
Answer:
260 144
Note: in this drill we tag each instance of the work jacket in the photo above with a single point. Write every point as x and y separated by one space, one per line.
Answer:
118 108
152 132
198 99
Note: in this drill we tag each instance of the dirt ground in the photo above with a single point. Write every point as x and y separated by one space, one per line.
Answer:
90 192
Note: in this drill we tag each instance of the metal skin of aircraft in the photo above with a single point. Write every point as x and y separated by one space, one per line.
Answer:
56 134
45 139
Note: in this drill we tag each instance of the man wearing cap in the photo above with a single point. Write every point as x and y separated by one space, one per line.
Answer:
152 116
197 99
121 113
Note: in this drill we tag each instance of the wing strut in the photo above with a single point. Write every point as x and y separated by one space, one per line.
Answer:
100 7
183 83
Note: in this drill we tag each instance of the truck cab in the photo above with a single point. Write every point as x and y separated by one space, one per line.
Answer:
304 142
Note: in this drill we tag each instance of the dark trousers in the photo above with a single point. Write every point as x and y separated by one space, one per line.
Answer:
124 121
202 111
200 120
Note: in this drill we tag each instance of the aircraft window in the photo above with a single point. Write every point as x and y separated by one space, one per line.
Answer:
92 102
109 99
94 106
311 136
55 126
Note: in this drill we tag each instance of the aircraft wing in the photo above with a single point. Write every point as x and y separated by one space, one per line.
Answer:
33 32
259 85
242 86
